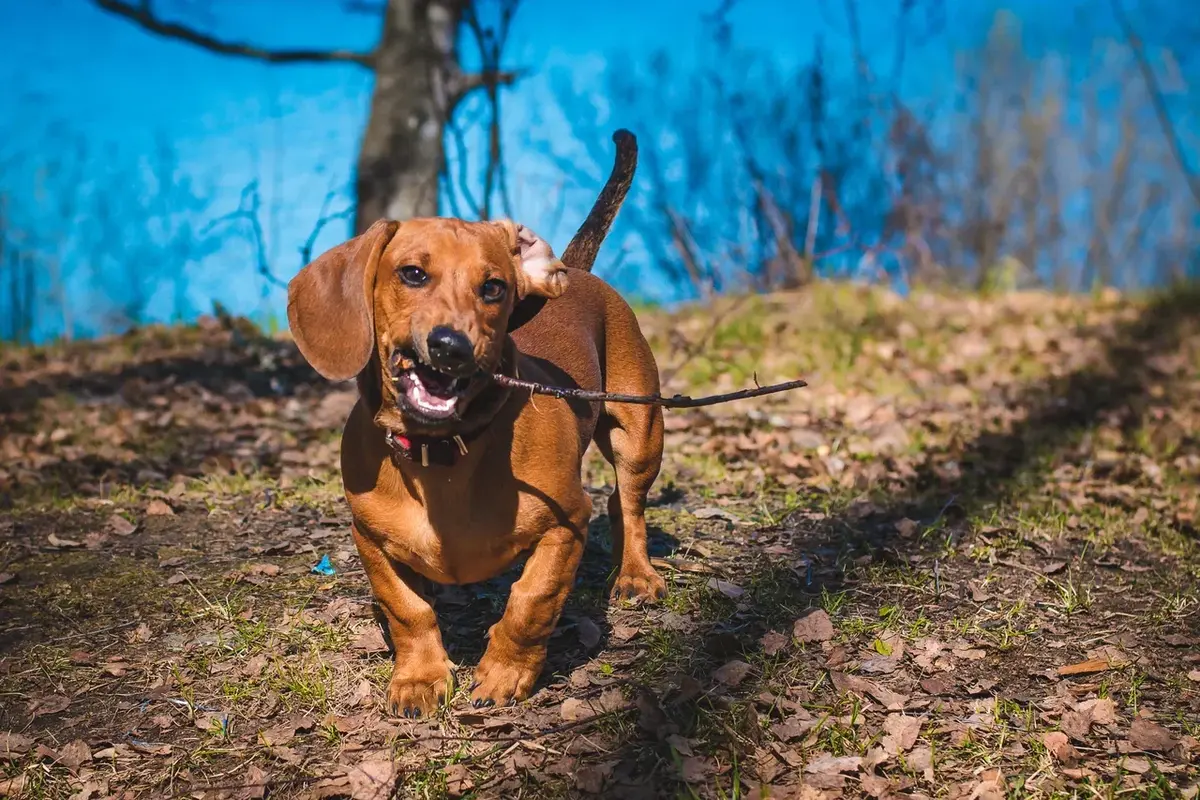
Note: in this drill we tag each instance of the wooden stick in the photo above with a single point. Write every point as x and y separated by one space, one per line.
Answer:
677 401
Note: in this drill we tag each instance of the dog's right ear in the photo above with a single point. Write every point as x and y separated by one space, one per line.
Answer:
331 305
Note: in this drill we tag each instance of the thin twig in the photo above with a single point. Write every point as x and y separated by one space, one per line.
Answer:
676 401
143 15
1156 97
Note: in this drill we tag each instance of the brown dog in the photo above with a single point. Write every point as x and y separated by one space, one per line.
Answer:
451 477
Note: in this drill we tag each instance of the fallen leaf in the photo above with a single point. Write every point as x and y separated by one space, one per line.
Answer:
845 682
573 709
651 717
730 590
13 744
372 779
589 633
906 527
813 627
732 673
1053 567
773 642
1090 666
7 577
590 779
1057 744
827 764
1194 675
623 633
1139 766
713 512
55 541
140 634
990 786
254 784
266 570
159 508
1102 710
52 704
694 769
370 641
1076 724
921 760
75 753
900 733
1147 735
120 526
682 746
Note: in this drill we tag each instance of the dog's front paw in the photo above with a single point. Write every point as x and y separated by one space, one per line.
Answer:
417 688
504 679
642 586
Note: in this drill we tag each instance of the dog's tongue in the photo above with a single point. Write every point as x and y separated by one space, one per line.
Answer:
432 392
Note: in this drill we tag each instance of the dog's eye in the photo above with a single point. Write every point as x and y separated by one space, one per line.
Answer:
493 291
414 276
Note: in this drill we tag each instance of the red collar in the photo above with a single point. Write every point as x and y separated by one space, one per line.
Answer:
427 450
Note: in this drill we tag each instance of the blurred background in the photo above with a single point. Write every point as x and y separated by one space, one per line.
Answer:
157 157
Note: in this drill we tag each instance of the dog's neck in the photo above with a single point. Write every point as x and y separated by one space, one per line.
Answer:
449 448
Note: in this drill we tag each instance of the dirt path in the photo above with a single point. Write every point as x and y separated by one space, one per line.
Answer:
963 563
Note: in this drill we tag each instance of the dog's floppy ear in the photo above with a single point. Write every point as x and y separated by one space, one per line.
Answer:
331 306
541 275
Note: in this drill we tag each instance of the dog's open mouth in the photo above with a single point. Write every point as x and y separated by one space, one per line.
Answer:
431 393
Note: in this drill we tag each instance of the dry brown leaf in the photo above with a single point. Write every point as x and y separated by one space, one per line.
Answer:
694 769
120 526
372 779
370 641
990 786
74 754
55 541
589 633
623 633
900 733
573 709
681 565
773 642
1090 666
682 746
921 760
1147 735
159 508
52 704
266 570
1102 710
14 744
827 764
1059 746
732 673
1076 724
730 590
814 626
845 682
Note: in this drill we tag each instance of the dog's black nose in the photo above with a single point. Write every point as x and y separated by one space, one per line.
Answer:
451 351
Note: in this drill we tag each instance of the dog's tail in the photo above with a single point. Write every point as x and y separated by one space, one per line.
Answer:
581 252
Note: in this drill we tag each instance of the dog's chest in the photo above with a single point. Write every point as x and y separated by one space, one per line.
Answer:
453 540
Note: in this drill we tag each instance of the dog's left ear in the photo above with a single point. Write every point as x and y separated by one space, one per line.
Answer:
540 274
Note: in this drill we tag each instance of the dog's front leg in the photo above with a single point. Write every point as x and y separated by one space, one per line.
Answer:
516 648
422 675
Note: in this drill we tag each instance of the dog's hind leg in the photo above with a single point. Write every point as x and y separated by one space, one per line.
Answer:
630 437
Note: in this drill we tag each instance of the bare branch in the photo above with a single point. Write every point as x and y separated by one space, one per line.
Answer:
247 211
1156 97
677 401
143 16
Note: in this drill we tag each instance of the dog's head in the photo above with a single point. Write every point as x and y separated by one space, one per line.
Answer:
433 298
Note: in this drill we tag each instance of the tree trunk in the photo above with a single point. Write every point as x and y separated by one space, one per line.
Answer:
401 156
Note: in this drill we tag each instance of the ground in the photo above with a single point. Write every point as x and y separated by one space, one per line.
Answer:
962 563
